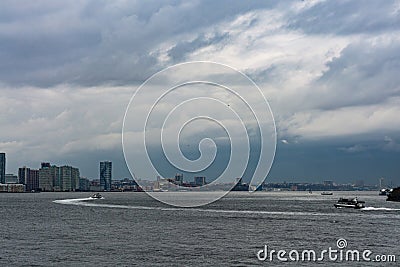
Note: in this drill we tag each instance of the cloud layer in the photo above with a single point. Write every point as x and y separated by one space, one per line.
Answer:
68 69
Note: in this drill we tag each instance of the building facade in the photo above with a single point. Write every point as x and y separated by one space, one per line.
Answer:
11 179
12 188
54 178
105 175
84 184
199 180
49 177
2 168
179 179
30 178
69 178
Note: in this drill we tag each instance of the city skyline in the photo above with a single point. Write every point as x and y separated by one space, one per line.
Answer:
30 178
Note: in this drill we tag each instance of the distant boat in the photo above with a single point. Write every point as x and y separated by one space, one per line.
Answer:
385 192
96 196
350 203
327 193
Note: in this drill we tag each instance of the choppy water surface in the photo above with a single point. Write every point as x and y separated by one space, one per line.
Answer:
70 229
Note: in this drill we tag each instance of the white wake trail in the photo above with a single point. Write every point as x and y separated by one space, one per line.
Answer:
377 209
84 202
90 202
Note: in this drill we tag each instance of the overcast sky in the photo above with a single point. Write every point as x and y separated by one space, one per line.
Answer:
329 69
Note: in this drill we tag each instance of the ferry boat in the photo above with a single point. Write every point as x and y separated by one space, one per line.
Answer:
350 203
96 196
385 192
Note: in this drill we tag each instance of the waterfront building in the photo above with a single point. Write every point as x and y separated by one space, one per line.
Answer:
46 177
29 177
199 180
54 178
69 178
12 188
2 168
179 179
11 179
84 184
105 175
95 185
49 177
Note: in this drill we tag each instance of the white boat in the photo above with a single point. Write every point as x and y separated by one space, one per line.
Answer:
96 196
350 203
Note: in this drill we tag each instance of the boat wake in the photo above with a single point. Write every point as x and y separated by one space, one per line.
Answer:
379 209
84 202
90 202
74 201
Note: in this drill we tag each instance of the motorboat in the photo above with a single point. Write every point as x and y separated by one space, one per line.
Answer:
385 192
96 196
350 203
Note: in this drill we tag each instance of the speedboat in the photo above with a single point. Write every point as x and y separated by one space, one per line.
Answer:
350 203
96 196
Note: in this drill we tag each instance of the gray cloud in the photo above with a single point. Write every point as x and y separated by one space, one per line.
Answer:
96 42
366 72
348 17
329 69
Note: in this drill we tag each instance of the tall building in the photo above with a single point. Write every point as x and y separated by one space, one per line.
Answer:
199 180
54 178
69 178
105 175
23 174
2 168
30 178
49 177
179 179
33 181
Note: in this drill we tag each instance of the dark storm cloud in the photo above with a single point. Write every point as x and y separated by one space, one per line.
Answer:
348 17
365 73
97 42
319 161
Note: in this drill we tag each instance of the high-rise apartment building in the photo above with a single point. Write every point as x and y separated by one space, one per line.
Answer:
54 178
105 175
199 180
30 178
69 178
49 177
2 168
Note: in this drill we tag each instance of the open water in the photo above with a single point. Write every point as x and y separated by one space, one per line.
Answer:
131 229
